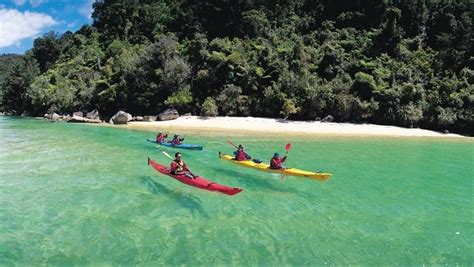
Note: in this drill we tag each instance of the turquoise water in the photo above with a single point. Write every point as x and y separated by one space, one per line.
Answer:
75 194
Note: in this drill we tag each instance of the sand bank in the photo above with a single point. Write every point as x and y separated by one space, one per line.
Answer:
267 126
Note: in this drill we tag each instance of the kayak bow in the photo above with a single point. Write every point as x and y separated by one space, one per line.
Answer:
198 181
321 176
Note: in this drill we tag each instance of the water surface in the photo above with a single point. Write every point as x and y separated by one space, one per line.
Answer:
84 195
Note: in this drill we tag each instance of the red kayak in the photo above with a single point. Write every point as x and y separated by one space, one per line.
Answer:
198 181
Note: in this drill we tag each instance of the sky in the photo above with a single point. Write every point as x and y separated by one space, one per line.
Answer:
21 21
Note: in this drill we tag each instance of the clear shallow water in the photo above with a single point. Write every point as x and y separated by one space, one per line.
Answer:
82 194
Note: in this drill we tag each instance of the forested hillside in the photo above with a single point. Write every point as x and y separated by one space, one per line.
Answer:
407 63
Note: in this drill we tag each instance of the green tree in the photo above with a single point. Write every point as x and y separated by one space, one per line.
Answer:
16 83
232 102
179 98
46 50
390 36
406 63
209 108
289 108
364 85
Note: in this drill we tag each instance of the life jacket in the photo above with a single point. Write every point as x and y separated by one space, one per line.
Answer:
177 166
176 141
240 155
275 163
160 138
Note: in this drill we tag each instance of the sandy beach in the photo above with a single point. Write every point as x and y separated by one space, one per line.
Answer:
266 126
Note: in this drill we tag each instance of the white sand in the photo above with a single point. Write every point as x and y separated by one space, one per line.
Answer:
268 126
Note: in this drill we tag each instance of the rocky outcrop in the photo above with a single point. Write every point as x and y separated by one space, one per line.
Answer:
328 118
137 118
121 117
93 115
52 116
76 117
169 114
65 118
78 114
82 119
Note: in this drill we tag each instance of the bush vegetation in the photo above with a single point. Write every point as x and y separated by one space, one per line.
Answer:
407 63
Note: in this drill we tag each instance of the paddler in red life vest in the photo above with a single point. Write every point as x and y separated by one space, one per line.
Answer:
176 140
276 161
178 167
240 154
161 137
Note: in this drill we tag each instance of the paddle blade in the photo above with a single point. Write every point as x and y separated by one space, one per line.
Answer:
166 154
288 147
230 142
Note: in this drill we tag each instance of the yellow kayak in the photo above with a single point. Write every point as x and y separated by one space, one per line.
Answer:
321 176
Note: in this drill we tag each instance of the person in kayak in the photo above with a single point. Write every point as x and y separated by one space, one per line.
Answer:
176 140
178 166
161 137
276 161
240 154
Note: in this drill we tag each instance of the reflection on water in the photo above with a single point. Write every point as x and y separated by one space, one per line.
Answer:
185 201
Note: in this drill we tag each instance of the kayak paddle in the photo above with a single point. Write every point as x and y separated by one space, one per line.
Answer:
168 155
230 142
287 148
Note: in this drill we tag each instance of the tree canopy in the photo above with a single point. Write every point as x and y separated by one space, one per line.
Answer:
407 63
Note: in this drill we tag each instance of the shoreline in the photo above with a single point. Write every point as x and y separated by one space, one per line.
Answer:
266 126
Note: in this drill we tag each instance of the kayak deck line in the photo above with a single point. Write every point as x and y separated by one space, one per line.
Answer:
321 176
